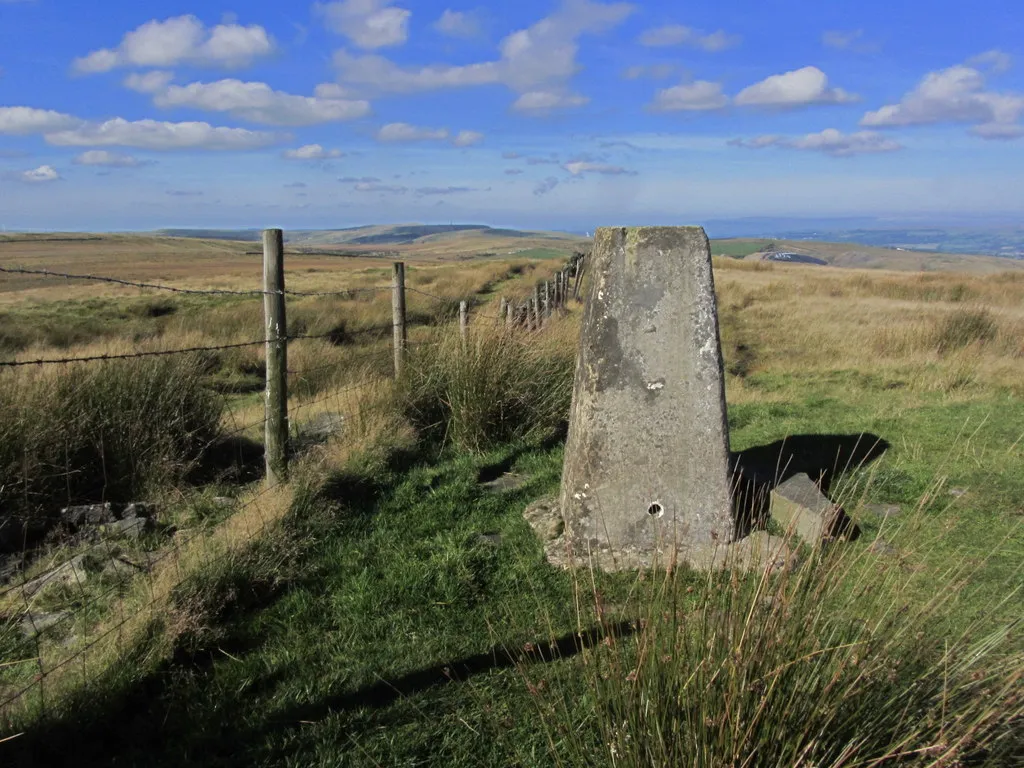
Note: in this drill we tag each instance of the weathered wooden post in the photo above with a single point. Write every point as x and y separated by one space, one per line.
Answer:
463 323
276 330
559 277
502 310
398 316
547 293
510 315
538 322
646 475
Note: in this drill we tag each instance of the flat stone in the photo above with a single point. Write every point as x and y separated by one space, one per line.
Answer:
883 510
35 623
223 501
121 569
799 506
545 517
882 547
319 429
648 449
88 514
956 493
132 527
490 539
139 509
71 573
507 482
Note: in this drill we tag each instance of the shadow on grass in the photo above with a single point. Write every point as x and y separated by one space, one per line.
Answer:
757 471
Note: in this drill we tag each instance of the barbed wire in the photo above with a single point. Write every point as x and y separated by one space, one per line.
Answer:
190 291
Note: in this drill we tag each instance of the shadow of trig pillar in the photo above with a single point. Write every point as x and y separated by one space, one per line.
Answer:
646 464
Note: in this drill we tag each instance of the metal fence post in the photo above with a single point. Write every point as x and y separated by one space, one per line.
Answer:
276 329
398 315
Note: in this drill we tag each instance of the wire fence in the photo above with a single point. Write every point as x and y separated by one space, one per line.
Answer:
105 565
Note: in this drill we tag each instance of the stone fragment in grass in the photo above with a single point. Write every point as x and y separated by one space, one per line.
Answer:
799 506
884 510
882 547
72 573
88 514
545 517
36 623
507 482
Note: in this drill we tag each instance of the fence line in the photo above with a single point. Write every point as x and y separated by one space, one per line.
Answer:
528 312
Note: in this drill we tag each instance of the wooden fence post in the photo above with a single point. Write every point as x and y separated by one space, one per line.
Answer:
510 315
464 322
537 323
398 315
558 289
276 329
547 293
502 310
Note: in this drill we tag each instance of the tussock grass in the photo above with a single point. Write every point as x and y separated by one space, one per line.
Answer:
497 387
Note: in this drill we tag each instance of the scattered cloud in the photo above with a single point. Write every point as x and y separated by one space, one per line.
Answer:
296 185
149 82
467 138
547 101
184 193
156 135
510 155
851 40
24 121
256 102
458 24
375 186
536 62
368 24
312 152
830 142
543 160
102 157
513 171
678 34
395 132
39 175
798 88
654 72
995 60
955 95
359 180
545 186
580 167
428 191
181 40
698 96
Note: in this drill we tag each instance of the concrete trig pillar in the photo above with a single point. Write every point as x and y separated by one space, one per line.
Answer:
646 465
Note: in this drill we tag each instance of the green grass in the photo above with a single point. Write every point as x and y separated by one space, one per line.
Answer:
346 666
737 248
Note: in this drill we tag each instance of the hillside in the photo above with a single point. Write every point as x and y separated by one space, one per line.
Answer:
856 256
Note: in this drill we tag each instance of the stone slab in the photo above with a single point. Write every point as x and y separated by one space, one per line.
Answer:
798 505
646 463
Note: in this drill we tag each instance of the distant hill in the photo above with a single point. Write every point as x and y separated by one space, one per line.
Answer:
394 234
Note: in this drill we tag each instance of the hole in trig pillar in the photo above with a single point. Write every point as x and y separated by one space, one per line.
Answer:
656 510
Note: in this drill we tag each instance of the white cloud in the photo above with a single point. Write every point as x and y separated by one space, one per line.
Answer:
699 96
546 101
445 190
457 24
545 186
312 152
102 157
181 40
513 171
368 24
373 186
40 174
654 71
24 121
955 95
580 167
798 88
830 142
677 34
467 138
850 40
259 103
997 61
395 132
156 135
540 59
149 82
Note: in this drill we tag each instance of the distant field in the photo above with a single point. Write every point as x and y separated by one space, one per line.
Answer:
737 248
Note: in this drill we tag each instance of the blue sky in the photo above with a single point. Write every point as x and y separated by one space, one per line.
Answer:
541 113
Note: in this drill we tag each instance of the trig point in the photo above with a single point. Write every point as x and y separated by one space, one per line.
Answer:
646 465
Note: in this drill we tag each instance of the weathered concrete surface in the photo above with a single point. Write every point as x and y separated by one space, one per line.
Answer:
798 505
754 553
646 464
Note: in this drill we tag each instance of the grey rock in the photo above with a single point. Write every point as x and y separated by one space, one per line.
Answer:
799 506
139 509
223 501
648 449
318 430
71 573
36 623
88 514
132 527
956 493
490 539
884 510
507 482
545 517
882 547
121 569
